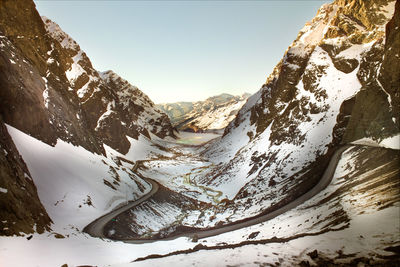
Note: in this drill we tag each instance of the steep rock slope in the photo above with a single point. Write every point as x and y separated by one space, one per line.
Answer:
214 113
20 208
332 86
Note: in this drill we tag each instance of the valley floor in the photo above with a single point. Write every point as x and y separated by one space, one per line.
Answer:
354 220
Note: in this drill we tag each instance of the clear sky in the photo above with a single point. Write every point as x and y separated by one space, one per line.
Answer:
184 50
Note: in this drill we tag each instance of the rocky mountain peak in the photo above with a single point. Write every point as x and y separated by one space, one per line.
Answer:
342 34
138 112
82 77
58 34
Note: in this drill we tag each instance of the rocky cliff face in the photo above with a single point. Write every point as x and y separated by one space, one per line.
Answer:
332 86
50 90
214 113
137 112
20 207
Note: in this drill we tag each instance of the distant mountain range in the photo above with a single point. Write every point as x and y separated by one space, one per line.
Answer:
214 113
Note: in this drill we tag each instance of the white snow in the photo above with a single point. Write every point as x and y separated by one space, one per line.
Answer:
317 131
76 250
347 241
46 98
66 176
76 69
128 96
27 176
366 233
50 60
80 249
355 51
140 149
392 142
388 10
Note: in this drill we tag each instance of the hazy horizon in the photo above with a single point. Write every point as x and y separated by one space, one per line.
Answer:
184 51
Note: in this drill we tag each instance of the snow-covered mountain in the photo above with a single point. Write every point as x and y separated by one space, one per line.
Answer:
214 113
77 143
332 86
50 90
124 109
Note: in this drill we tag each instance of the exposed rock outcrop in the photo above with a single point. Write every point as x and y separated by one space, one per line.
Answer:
20 207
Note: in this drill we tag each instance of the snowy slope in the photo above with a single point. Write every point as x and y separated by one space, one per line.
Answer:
336 223
71 181
77 186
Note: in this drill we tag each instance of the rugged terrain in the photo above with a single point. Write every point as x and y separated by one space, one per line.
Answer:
212 114
78 143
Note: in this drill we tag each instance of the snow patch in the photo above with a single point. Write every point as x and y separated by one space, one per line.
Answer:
46 98
392 142
3 190
76 69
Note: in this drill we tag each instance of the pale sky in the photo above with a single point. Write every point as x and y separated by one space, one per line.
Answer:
184 50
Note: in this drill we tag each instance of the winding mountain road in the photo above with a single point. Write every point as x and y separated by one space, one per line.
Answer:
96 228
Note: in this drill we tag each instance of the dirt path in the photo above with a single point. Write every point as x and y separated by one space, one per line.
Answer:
96 228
